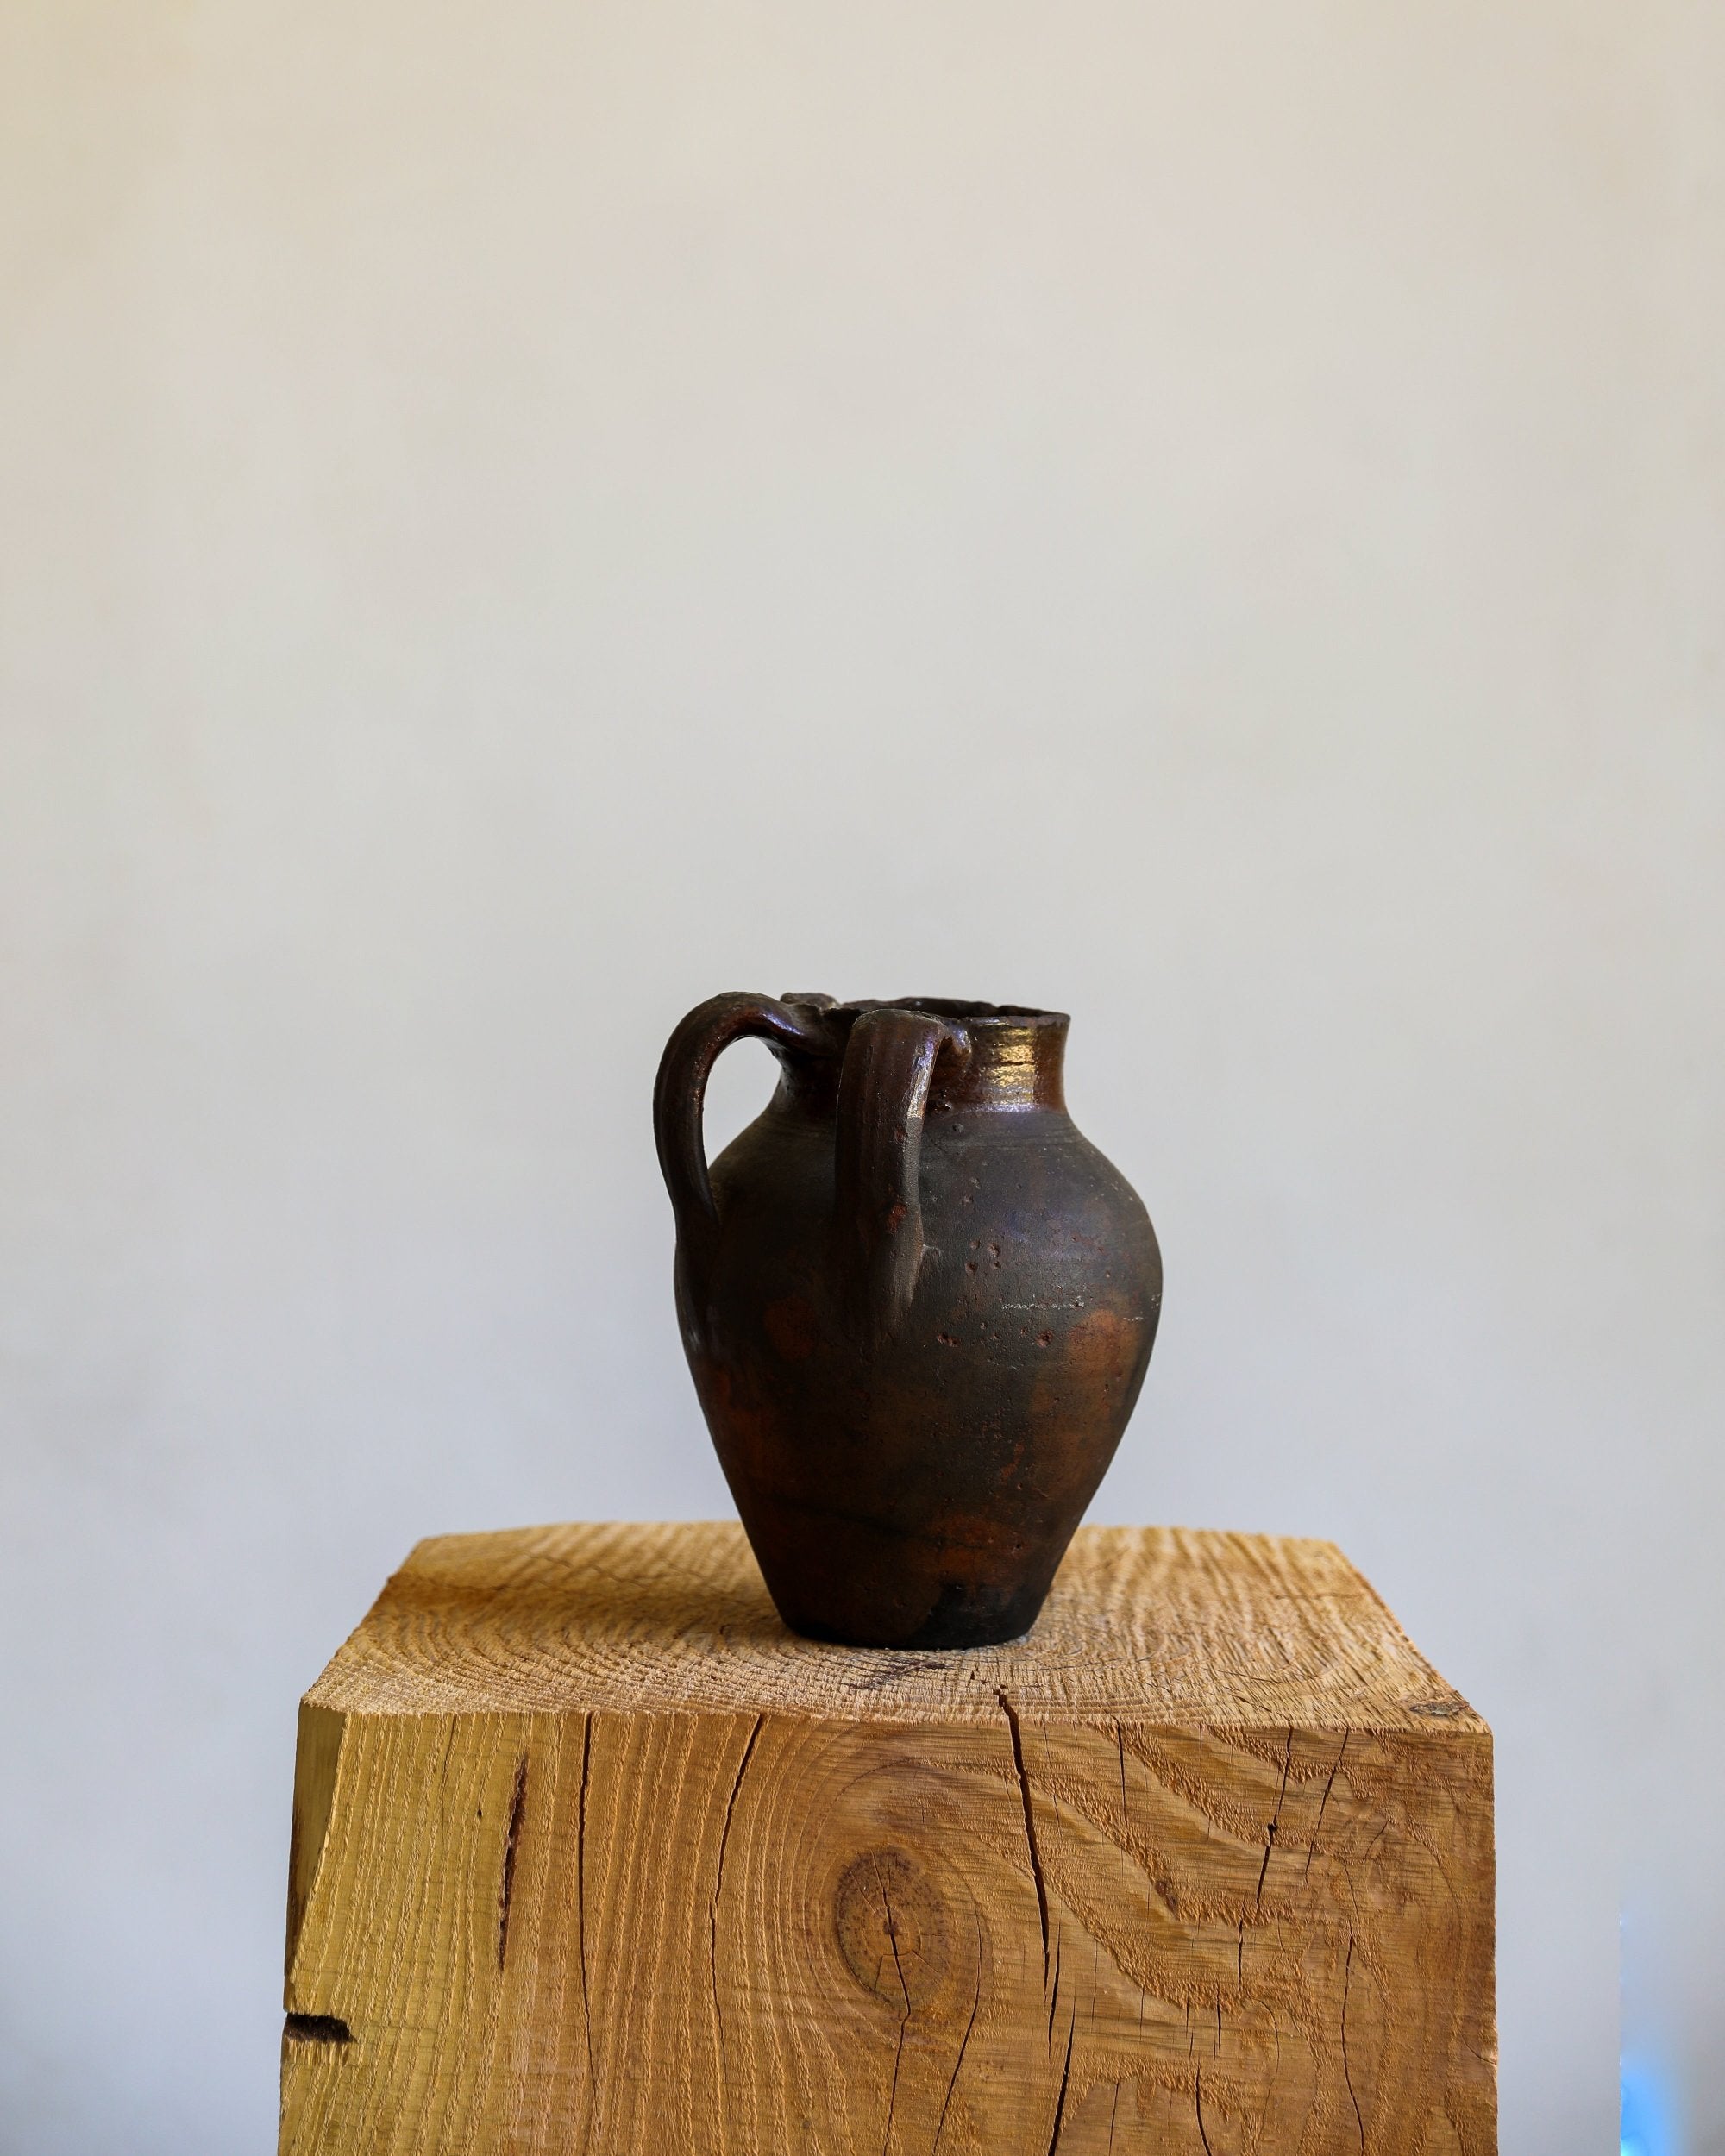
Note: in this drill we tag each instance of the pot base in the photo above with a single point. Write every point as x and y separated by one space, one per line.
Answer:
954 1623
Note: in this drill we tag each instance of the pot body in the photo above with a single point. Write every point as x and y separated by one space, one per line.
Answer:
918 1307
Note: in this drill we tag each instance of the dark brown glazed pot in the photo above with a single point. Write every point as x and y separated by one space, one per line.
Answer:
917 1304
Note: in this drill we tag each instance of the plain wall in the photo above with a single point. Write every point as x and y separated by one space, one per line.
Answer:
515 519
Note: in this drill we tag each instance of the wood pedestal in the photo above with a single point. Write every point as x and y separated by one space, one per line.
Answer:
589 1854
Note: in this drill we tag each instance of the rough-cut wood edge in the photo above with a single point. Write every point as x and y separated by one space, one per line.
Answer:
1167 1626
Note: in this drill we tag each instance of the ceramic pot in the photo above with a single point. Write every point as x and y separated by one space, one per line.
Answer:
918 1305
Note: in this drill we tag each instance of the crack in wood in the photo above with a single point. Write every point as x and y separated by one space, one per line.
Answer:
1198 2098
1017 1735
905 2018
963 2044
1274 1822
1065 2082
581 1906
518 1805
719 1879
1323 1802
892 2093
1347 2071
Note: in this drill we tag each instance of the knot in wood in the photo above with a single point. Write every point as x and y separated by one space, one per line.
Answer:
892 1927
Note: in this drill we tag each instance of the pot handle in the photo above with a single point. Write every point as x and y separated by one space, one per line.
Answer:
680 1092
882 1096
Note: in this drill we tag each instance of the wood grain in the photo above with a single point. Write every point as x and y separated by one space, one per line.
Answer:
590 1854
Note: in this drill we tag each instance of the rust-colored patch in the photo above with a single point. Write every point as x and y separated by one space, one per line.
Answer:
1105 1341
791 1328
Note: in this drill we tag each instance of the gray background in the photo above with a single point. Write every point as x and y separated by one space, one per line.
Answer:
513 518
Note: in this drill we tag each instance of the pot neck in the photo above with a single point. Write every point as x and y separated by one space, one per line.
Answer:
1016 1059
999 1057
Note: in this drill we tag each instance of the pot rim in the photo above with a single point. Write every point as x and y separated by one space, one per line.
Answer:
967 1013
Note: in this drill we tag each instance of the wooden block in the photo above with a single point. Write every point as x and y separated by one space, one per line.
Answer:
590 1854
